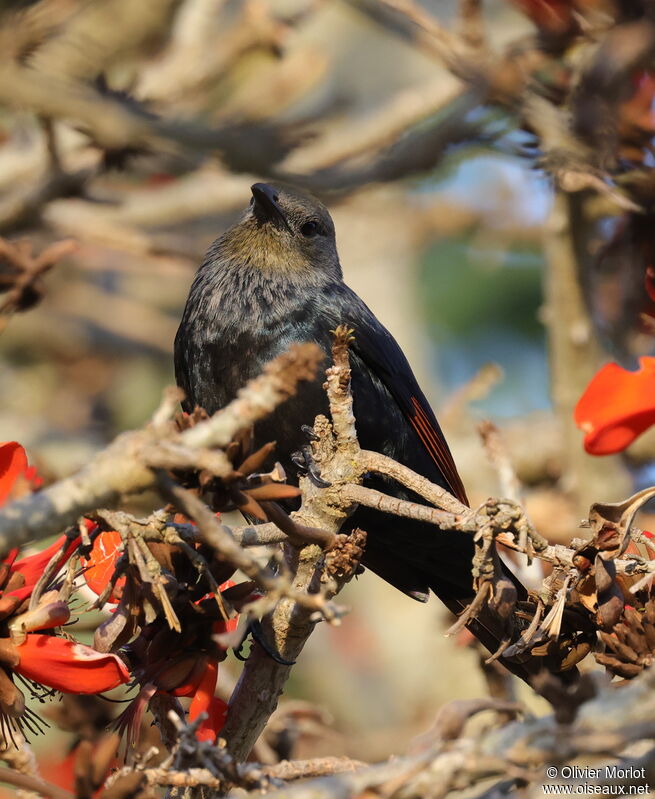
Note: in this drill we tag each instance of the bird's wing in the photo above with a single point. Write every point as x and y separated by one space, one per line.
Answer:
380 352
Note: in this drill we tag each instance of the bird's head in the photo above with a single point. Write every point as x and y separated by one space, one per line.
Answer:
284 230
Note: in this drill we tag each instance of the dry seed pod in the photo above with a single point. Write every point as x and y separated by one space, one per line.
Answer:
254 462
609 596
649 632
619 647
575 655
609 611
633 636
617 667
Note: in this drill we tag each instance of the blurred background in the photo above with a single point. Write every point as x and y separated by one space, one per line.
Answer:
136 130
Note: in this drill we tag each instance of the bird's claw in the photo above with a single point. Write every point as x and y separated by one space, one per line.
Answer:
254 629
309 432
304 460
238 650
298 459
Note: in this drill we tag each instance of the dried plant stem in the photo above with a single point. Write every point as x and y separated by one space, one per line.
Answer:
289 626
518 750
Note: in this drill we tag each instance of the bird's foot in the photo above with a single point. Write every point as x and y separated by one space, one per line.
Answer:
304 460
309 432
254 629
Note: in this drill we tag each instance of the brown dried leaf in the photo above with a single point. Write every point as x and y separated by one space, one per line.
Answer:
609 611
575 655
247 504
632 631
103 758
649 629
272 492
619 648
612 521
626 670
299 533
254 462
586 590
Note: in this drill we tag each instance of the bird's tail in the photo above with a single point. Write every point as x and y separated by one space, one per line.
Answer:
491 631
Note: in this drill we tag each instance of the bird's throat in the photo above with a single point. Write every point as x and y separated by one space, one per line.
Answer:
264 247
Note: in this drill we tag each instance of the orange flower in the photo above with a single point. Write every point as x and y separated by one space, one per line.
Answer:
187 670
31 568
15 473
204 701
186 666
616 407
54 662
107 547
67 666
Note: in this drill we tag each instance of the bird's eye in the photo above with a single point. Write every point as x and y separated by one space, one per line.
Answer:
309 229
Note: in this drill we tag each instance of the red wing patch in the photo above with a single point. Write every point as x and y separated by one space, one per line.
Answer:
434 442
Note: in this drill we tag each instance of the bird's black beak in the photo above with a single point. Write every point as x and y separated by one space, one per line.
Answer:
267 204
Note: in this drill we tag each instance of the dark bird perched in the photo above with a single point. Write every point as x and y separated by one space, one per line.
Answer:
274 278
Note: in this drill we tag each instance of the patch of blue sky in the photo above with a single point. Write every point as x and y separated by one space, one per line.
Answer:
524 387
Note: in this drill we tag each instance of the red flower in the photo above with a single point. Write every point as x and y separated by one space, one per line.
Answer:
52 661
106 550
616 407
31 567
189 671
204 701
15 473
68 666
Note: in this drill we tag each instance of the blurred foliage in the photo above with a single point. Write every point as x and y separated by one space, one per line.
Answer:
467 290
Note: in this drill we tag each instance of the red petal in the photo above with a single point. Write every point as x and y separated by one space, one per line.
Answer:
32 477
68 666
193 678
209 729
59 770
102 562
205 702
205 691
32 566
202 701
230 625
13 464
21 593
222 627
616 407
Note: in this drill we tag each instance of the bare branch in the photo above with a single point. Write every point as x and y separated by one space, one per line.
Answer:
124 467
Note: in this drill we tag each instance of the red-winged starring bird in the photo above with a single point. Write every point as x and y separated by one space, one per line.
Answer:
274 278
